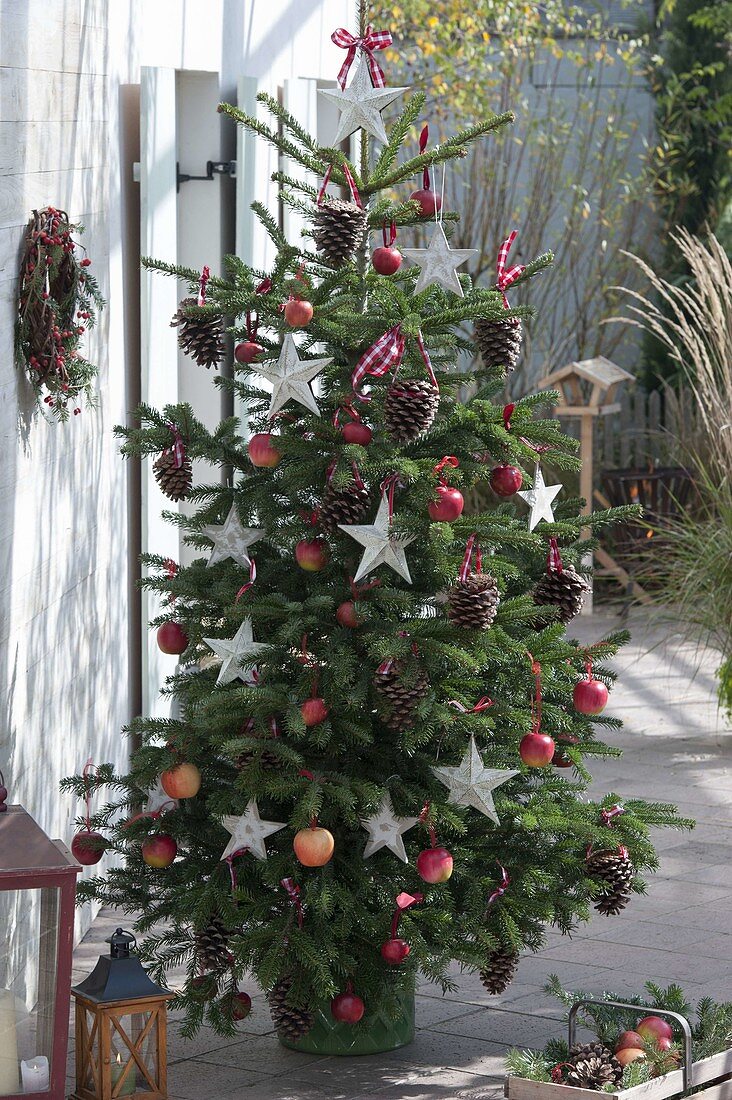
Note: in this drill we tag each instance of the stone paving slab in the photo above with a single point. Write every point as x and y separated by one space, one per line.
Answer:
677 749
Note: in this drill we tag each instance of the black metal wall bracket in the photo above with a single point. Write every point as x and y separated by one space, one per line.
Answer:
213 168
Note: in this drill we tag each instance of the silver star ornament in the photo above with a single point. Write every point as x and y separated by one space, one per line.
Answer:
382 546
290 377
539 499
249 831
385 830
439 263
361 104
472 784
230 539
238 654
157 798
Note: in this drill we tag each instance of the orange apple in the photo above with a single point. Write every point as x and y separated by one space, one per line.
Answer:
628 1055
182 781
313 846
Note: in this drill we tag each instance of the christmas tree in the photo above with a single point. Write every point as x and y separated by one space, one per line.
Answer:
380 715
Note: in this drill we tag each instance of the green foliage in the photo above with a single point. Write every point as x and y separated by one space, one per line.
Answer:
339 770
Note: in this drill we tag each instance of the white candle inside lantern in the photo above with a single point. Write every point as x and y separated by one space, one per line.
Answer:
9 1079
35 1074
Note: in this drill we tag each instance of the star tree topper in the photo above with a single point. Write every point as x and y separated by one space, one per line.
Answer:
361 104
472 784
249 831
539 499
385 830
230 539
290 376
382 546
439 263
238 654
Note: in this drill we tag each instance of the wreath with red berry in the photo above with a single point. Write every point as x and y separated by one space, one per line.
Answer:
58 300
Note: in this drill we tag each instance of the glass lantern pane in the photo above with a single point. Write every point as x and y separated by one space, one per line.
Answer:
136 1031
28 966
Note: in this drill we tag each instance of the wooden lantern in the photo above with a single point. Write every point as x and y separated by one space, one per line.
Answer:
121 1026
37 894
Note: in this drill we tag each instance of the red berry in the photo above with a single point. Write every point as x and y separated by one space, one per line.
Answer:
85 263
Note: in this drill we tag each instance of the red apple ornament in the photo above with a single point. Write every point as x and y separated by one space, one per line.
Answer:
314 711
241 1005
346 615
181 781
448 506
298 313
505 480
172 638
247 351
394 951
429 202
537 749
87 847
434 865
653 1027
386 259
347 1008
159 850
590 695
313 846
355 431
312 554
262 451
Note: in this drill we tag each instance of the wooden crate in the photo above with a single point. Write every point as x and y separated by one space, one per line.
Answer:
714 1072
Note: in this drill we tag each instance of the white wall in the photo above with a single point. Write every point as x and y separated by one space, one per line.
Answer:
68 128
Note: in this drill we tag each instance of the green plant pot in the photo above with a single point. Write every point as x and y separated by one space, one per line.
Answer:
387 1026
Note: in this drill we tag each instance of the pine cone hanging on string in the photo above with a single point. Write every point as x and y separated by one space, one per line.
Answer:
592 1066
564 589
338 230
499 343
349 505
175 481
473 603
398 696
290 1022
500 967
201 337
410 408
212 945
615 868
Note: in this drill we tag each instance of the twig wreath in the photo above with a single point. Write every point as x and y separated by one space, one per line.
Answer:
58 300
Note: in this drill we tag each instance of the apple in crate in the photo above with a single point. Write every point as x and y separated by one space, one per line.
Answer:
652 1028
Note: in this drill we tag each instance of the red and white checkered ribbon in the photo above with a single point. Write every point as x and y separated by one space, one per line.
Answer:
507 278
230 862
178 448
371 41
384 355
465 567
554 558
349 180
205 276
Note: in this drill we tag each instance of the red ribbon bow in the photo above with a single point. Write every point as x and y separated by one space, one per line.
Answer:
385 353
507 278
500 890
372 40
448 460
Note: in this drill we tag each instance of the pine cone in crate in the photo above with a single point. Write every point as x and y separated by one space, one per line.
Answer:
349 505
212 945
473 603
290 1022
615 868
200 337
410 408
398 699
500 967
565 590
174 481
339 229
593 1066
499 343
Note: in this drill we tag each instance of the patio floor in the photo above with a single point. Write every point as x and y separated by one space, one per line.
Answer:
678 749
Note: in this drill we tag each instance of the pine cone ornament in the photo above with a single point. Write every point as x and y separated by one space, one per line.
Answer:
212 945
398 698
175 481
500 967
593 1066
349 505
290 1022
499 343
339 229
473 603
200 337
564 589
410 408
615 868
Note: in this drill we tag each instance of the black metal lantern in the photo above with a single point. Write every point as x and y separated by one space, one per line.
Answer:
121 1022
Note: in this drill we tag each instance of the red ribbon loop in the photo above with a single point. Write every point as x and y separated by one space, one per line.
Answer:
293 892
426 359
88 768
264 287
554 558
389 485
465 567
388 242
357 475
608 816
423 139
536 697
404 901
507 278
507 414
500 890
252 578
202 282
448 460
383 355
370 42
230 863
349 180
178 448
483 703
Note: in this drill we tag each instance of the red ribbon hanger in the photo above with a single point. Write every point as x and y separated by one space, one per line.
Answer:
500 890
293 892
554 558
392 234
384 354
178 449
404 901
252 578
536 697
507 278
483 703
368 43
349 180
465 567
202 283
